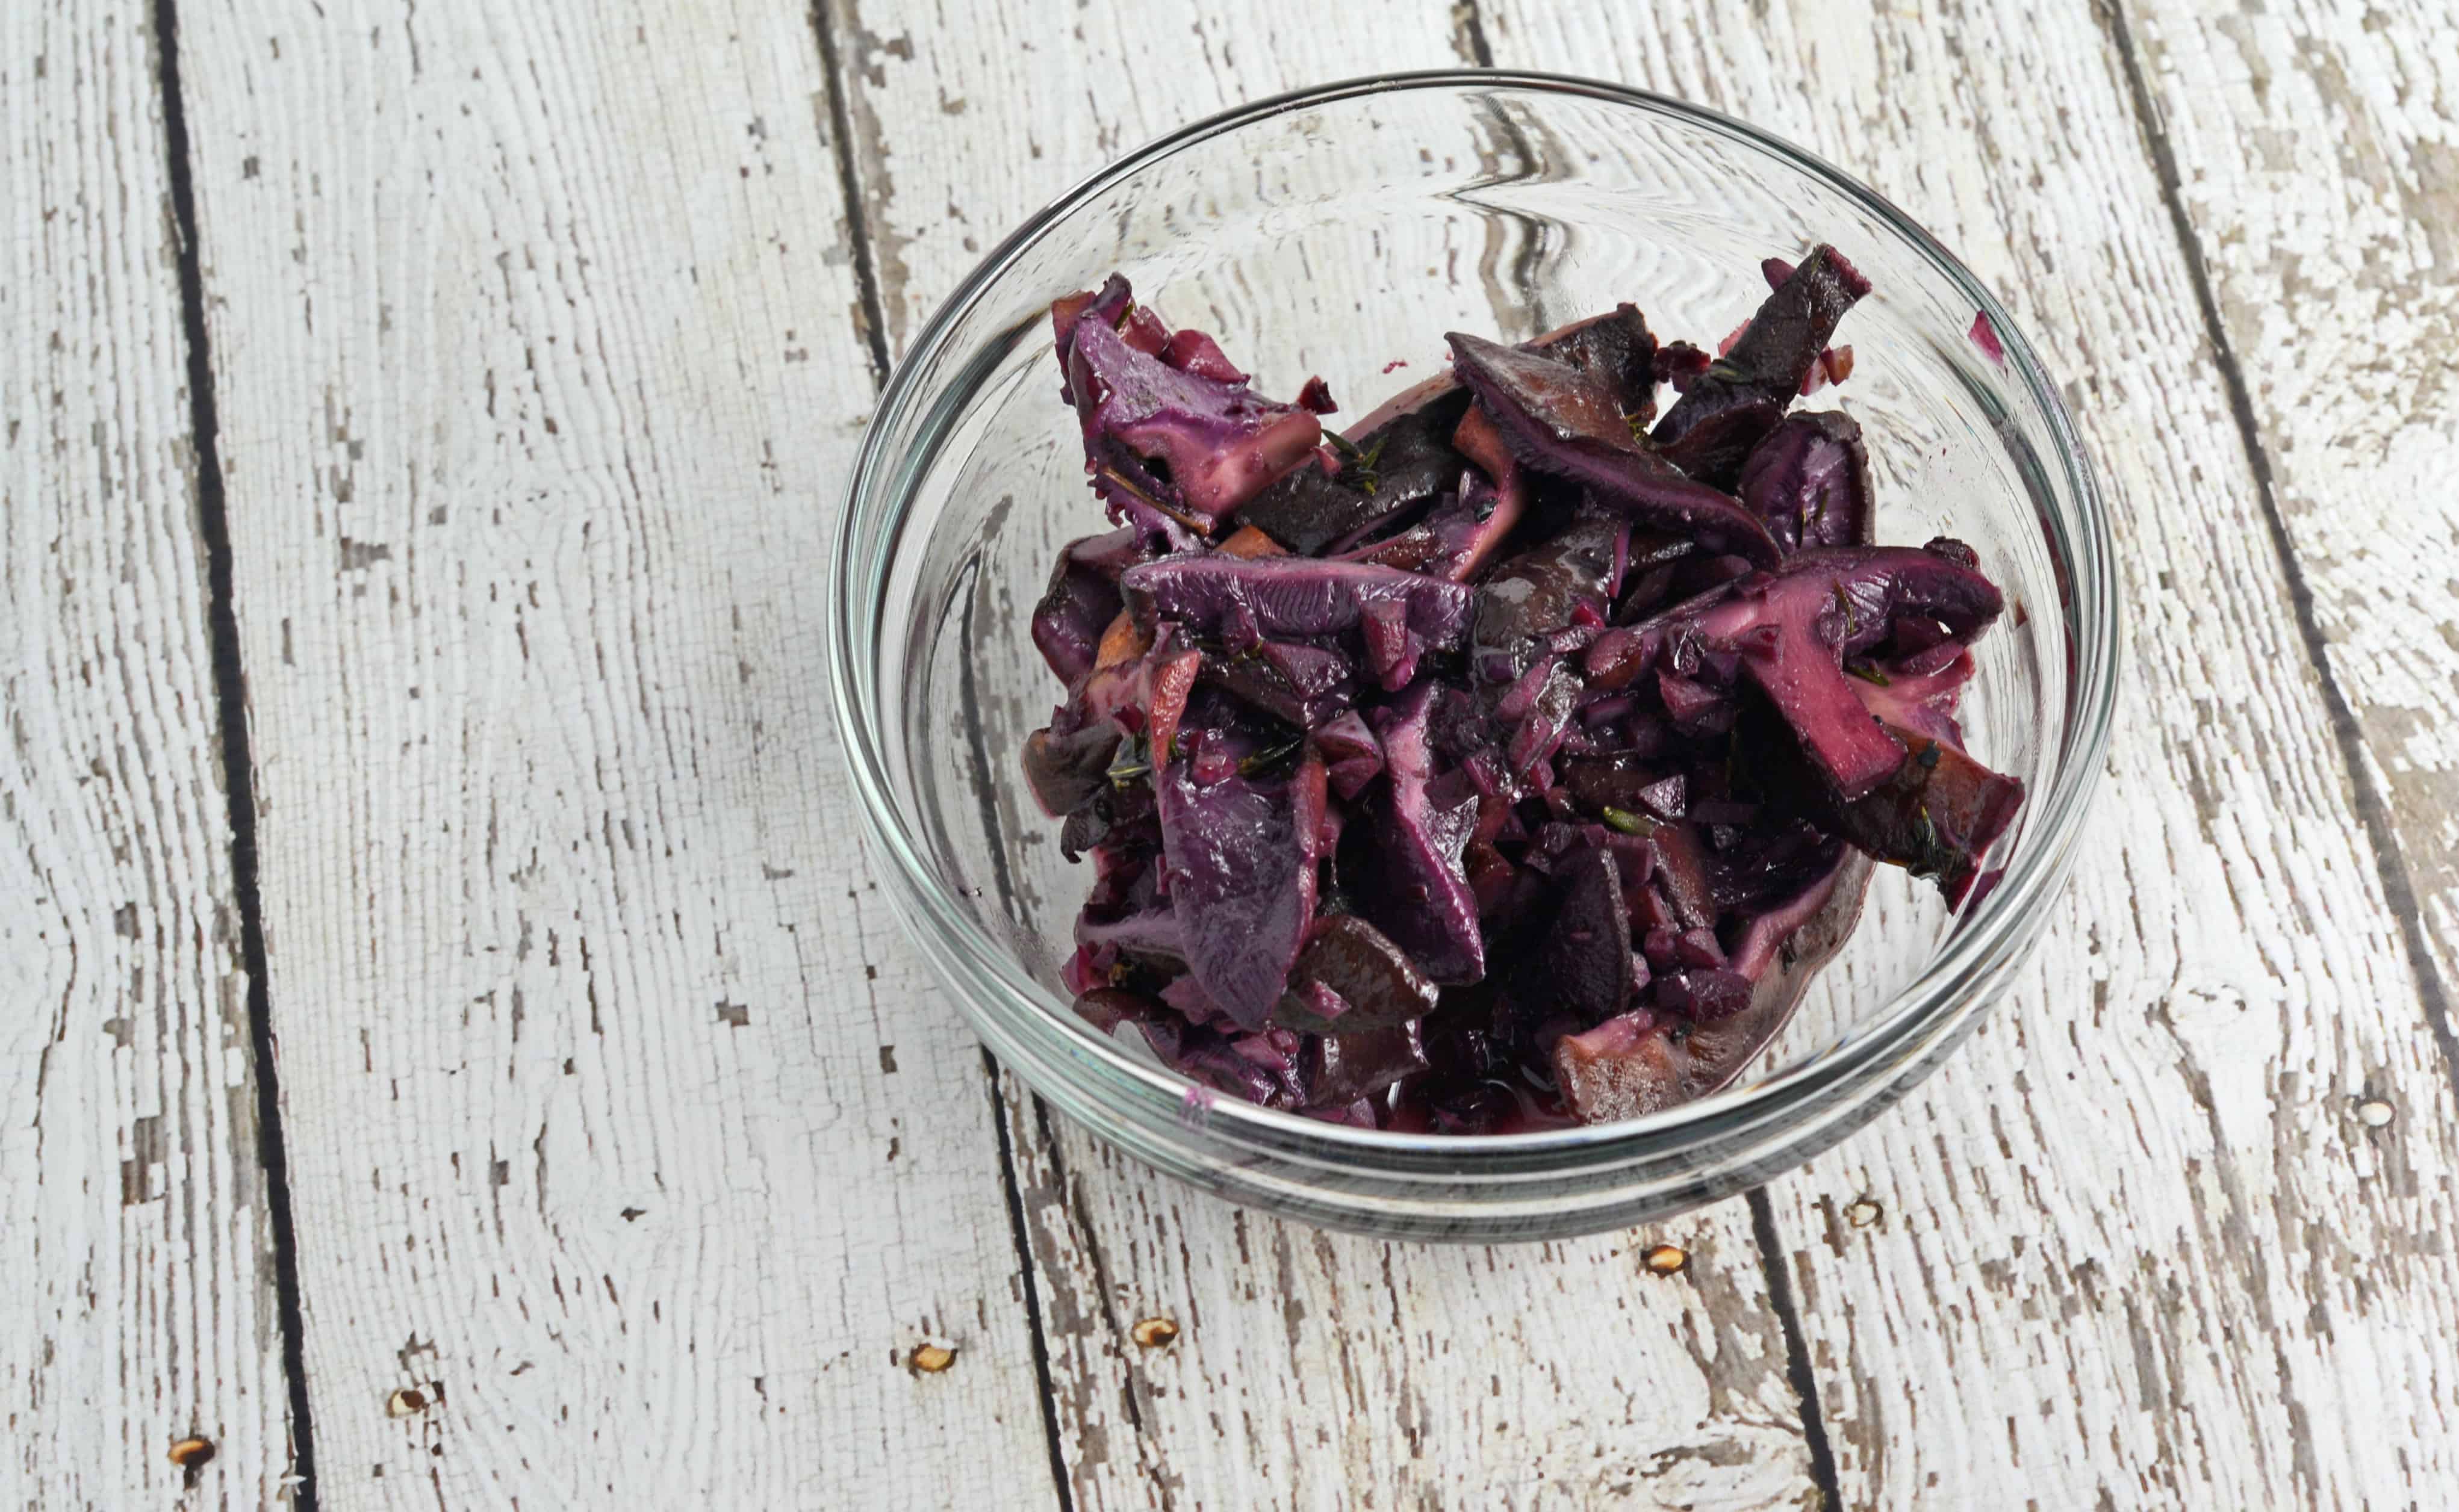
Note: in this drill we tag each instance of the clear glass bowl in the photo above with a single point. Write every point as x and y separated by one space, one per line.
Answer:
1332 232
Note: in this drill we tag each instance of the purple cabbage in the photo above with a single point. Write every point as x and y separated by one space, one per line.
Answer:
1540 592
1919 692
1352 757
1351 977
1794 631
1083 598
1608 348
1398 615
1936 817
1380 476
1282 1068
1260 1068
1503 766
1585 962
1152 934
1066 772
1414 890
1810 481
1728 427
1338 1069
1297 682
1713 427
1560 421
1616 351
1184 441
1242 858
1939 813
1459 533
1631 1066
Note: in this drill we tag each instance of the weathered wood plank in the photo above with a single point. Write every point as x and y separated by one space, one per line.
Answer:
136 1254
1311 1369
2135 1248
2315 150
1320 1369
625 1127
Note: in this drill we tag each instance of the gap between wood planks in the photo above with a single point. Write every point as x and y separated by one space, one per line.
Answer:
2373 810
239 784
872 329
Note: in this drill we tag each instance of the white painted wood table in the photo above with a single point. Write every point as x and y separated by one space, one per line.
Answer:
452 1052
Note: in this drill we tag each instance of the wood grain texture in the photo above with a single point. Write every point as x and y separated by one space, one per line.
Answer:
1319 1370
134 1254
1311 1369
2134 1248
624 1127
2315 153
621 1115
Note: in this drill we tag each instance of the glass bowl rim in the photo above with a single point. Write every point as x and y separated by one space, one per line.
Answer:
2082 544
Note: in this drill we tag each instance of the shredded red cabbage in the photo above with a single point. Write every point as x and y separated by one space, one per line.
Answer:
1515 757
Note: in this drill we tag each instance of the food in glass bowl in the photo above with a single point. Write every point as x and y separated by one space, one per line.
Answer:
1514 758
